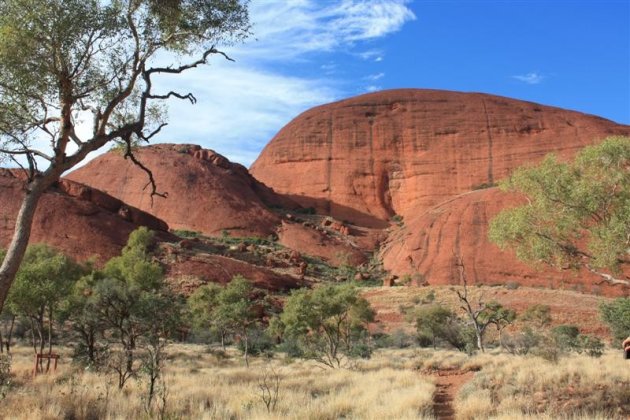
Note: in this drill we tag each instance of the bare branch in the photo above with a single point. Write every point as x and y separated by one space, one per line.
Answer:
129 154
189 96
157 130
27 152
203 60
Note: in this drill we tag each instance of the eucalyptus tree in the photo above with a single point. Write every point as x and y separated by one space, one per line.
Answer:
577 214
76 75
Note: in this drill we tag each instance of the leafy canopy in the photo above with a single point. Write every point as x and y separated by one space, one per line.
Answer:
578 213
328 322
45 278
68 62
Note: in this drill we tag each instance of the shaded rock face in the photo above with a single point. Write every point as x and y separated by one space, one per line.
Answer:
188 273
313 242
206 192
429 241
75 219
401 152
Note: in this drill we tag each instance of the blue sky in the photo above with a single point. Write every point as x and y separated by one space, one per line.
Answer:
572 54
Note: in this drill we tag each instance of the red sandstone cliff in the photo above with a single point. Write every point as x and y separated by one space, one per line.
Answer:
427 245
80 221
368 158
206 192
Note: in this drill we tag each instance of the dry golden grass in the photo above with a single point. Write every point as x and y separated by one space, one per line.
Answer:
577 386
202 386
394 384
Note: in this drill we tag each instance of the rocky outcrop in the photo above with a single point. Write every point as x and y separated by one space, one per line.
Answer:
78 220
205 191
427 245
401 152
187 273
310 241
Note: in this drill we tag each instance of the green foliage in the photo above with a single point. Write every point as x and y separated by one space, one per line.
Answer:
616 315
43 282
590 345
571 204
538 315
231 311
565 336
129 304
328 323
438 322
134 266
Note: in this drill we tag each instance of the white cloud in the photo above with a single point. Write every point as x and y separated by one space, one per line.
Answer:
372 88
374 77
532 78
287 29
242 105
372 55
239 109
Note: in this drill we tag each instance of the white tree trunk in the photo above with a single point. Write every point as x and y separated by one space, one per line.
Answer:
21 235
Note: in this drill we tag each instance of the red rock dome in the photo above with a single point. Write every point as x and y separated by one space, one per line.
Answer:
206 192
401 152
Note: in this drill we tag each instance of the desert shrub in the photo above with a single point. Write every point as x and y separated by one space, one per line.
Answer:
400 339
329 323
259 342
565 337
521 342
590 345
616 315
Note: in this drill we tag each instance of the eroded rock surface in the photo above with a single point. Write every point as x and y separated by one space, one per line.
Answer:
401 152
78 220
206 192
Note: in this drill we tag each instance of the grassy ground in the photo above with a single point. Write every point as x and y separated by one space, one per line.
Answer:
201 385
394 384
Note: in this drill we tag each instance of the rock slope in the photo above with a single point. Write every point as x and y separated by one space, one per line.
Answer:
206 192
78 220
426 247
401 152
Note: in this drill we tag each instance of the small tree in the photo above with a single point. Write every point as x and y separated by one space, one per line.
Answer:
481 314
81 309
616 315
202 306
538 315
134 308
438 322
44 281
234 310
328 323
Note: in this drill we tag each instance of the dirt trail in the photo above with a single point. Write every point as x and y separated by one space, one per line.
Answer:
448 382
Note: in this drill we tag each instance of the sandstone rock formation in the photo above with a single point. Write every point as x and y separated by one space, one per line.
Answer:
78 220
401 152
206 192
188 273
310 241
426 246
